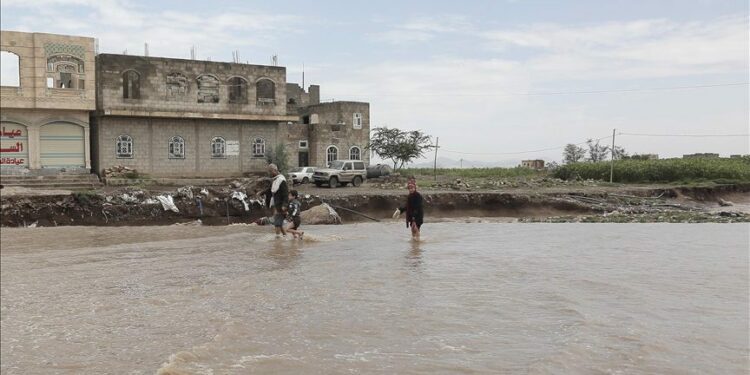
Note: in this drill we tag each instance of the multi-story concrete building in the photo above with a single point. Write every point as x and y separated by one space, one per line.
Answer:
46 95
175 117
326 131
160 116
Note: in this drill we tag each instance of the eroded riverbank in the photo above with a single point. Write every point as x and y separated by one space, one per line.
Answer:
237 204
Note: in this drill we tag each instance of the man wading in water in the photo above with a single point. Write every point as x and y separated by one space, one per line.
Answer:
414 209
279 199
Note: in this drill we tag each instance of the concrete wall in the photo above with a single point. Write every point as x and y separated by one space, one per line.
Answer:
161 95
150 145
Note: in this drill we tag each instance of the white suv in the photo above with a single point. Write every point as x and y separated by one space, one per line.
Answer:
301 175
341 172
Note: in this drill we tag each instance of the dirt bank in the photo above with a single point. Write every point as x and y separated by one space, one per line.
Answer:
237 204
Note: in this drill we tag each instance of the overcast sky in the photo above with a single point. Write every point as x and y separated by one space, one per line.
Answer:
488 77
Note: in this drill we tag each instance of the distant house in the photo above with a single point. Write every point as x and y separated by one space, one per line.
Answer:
643 157
699 155
533 164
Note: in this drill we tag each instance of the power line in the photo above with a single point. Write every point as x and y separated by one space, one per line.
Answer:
685 135
666 88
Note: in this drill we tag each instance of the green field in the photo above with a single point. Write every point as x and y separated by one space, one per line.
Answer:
665 170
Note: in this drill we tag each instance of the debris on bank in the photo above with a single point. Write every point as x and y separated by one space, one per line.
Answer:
119 171
235 203
239 202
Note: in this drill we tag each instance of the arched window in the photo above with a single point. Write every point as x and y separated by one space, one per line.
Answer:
65 72
265 91
259 147
176 148
208 89
355 153
10 69
332 154
218 147
177 85
124 147
237 90
131 85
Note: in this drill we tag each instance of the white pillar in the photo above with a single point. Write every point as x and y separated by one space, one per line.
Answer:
87 146
35 144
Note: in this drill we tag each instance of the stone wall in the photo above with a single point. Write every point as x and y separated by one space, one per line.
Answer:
332 125
164 87
297 98
291 135
151 138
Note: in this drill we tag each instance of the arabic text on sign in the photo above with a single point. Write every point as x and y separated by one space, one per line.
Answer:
12 161
11 134
17 148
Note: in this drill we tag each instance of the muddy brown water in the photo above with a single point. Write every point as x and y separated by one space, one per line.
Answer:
363 298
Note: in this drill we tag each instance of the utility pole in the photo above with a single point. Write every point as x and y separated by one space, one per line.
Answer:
462 163
434 166
612 154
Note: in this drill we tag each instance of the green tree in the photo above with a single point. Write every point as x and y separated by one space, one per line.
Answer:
573 154
619 153
597 152
398 145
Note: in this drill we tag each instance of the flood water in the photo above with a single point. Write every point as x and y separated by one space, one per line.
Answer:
469 298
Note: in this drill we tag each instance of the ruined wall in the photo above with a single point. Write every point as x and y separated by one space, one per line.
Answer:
163 87
150 137
297 97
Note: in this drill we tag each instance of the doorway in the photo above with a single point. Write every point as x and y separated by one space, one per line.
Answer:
303 159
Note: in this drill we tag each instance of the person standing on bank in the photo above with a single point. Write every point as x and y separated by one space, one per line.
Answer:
414 209
279 198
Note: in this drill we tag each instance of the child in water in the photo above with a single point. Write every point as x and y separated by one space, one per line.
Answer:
414 209
294 211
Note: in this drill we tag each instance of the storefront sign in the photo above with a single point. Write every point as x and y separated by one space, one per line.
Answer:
13 146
